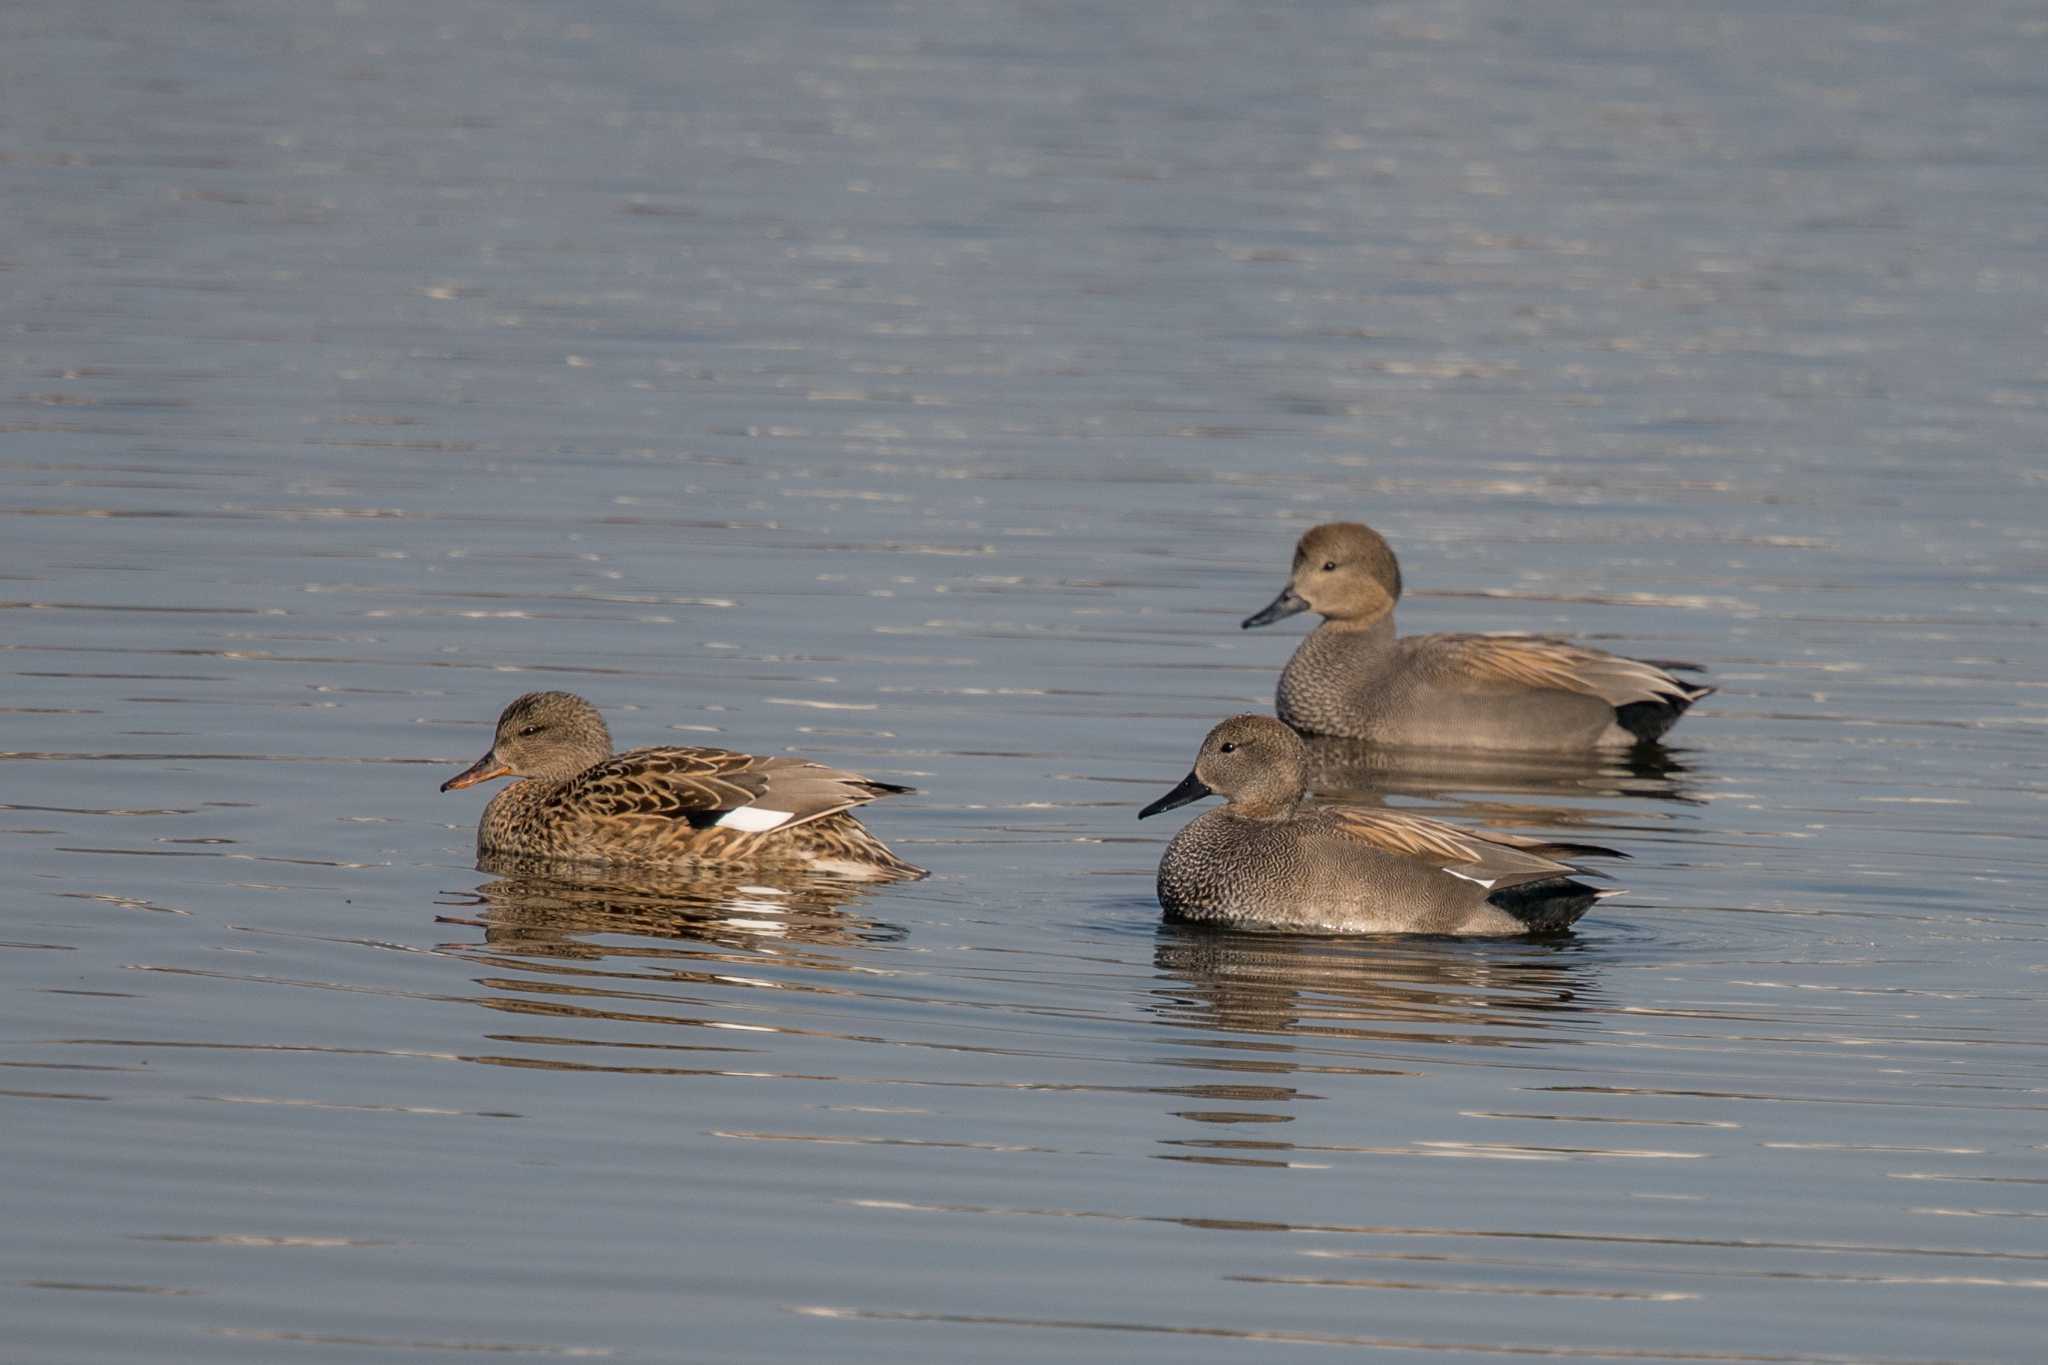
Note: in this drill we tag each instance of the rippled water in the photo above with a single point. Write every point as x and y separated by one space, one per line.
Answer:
932 389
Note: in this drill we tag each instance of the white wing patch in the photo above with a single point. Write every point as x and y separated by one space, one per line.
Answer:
1482 881
754 819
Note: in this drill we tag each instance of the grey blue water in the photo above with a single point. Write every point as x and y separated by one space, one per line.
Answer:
932 388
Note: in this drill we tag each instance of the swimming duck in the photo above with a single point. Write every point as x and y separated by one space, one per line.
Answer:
1266 860
1351 677
579 801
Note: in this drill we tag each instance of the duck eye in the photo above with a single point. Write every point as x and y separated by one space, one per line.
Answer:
1228 748
529 730
1329 565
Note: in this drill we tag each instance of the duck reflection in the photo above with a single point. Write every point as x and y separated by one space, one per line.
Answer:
1488 789
1353 770
543 908
1336 1007
1407 990
658 971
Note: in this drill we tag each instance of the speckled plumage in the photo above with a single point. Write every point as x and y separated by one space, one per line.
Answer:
1353 677
578 801
1266 860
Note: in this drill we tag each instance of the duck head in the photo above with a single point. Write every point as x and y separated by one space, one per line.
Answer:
542 734
1343 570
1253 762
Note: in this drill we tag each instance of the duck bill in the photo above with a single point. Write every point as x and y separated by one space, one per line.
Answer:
483 770
1287 604
1191 788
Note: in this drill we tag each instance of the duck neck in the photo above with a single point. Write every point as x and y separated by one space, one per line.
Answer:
1376 630
1264 807
509 808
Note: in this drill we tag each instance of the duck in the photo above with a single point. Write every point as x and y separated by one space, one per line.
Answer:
1353 678
1266 859
574 800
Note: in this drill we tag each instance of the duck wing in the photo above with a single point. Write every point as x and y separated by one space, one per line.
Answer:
1495 862
1552 848
749 792
1534 661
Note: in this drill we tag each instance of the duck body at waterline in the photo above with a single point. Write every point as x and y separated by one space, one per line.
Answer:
574 800
1353 677
1267 860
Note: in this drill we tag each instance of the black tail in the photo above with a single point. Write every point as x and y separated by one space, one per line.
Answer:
1547 907
1648 720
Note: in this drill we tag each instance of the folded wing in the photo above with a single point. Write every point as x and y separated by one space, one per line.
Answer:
1493 861
1531 661
751 793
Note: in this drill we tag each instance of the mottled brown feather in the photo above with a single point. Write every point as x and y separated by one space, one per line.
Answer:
573 800
674 783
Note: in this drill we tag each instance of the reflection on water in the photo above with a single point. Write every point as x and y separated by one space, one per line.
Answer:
651 946
1321 1008
924 387
1375 989
553 909
1352 770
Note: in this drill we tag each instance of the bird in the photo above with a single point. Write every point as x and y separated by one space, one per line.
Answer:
1353 678
1265 859
574 800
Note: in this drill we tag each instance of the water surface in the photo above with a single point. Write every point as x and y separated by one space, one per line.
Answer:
932 389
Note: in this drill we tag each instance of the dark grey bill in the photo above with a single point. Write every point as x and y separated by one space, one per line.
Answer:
1279 609
1191 788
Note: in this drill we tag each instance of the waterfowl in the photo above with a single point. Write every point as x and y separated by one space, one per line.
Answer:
1353 678
1267 860
575 800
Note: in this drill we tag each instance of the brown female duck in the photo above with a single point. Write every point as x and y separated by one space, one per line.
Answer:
1351 677
578 801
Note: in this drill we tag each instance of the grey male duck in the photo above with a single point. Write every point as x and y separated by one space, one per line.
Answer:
1266 860
1353 678
580 802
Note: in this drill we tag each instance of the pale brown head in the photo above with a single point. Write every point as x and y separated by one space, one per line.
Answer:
1343 570
542 734
1254 762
